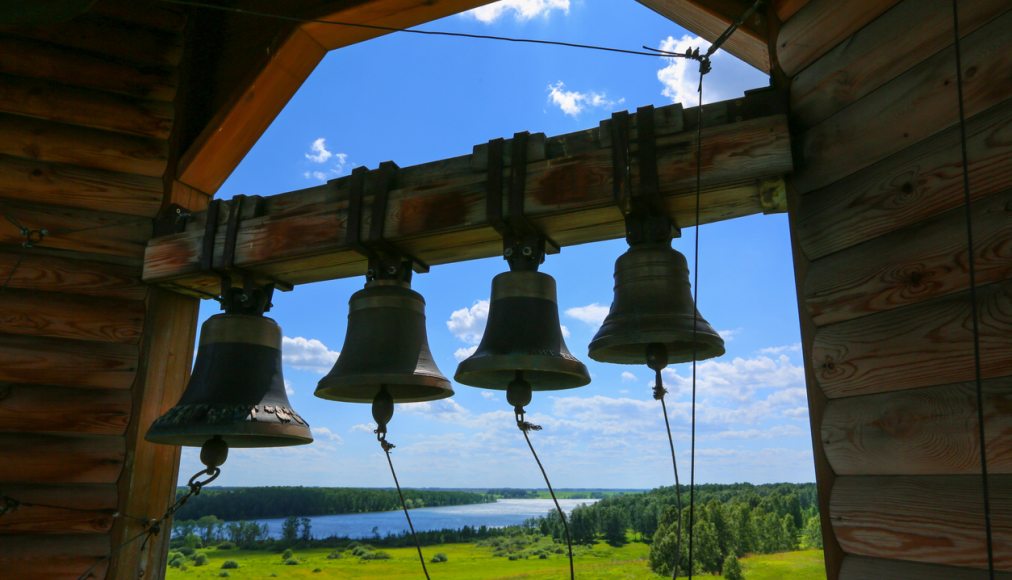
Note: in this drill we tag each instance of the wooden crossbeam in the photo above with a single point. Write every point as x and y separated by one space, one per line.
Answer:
437 211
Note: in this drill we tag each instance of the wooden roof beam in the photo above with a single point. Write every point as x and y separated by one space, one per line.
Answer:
436 211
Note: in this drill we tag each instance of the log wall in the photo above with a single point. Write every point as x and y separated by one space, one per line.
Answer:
879 232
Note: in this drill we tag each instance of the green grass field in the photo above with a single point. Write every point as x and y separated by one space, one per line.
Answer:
472 562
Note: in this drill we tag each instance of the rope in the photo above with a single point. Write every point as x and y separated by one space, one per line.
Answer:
381 436
971 267
659 392
525 427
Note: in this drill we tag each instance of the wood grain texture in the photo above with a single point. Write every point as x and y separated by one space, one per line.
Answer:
819 26
84 318
57 557
909 187
437 210
40 60
786 9
930 519
79 231
93 509
70 363
45 409
923 345
912 265
33 271
710 19
57 143
149 486
60 459
164 17
912 107
863 568
927 431
65 185
85 107
881 51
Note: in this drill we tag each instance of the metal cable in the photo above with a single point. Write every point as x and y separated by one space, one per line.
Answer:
972 271
659 392
387 446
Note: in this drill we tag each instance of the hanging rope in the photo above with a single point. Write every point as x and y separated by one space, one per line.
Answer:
971 268
526 427
659 392
381 436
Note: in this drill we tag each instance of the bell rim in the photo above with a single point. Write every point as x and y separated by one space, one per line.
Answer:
573 370
334 393
238 434
618 350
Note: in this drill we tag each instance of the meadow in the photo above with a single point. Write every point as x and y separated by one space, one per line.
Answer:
478 562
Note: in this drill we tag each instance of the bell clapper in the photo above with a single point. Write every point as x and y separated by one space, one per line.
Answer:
657 359
382 412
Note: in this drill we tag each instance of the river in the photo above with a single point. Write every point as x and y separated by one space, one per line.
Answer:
504 512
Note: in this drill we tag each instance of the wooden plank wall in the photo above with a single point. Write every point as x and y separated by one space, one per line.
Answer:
88 354
879 230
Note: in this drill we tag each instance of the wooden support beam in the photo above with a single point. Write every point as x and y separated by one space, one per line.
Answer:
92 510
85 318
863 568
711 18
930 519
71 363
54 410
60 459
436 211
115 236
923 345
928 431
47 557
30 270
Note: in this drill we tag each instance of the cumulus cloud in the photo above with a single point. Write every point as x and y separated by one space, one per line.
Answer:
730 334
628 377
522 10
325 434
318 154
774 350
288 386
468 324
592 314
464 352
739 378
307 354
573 103
680 76
363 428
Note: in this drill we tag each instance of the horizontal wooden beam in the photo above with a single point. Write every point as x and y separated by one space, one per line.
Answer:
61 556
70 363
85 318
864 568
46 409
46 273
60 459
92 509
437 211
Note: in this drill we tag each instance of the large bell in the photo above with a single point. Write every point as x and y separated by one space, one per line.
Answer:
653 305
523 335
385 346
236 391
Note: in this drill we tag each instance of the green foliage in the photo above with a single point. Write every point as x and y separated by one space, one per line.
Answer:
226 546
287 554
378 555
229 565
291 562
317 570
200 559
811 534
438 558
335 555
223 574
613 523
732 569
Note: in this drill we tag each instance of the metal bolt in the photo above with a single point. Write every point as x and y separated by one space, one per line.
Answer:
528 251
508 252
391 270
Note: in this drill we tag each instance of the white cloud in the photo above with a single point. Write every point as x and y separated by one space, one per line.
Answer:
288 387
318 152
729 335
739 378
565 331
591 314
307 354
522 9
796 347
681 76
464 352
489 395
468 324
573 103
363 428
628 377
325 434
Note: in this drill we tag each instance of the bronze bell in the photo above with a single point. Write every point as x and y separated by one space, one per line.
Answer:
653 306
236 391
523 336
385 346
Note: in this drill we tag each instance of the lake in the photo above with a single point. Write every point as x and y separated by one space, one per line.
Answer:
505 512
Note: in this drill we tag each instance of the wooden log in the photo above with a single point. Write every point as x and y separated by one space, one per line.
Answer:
437 211
39 60
912 186
69 363
43 183
819 26
912 107
710 19
60 459
79 231
786 9
928 431
92 509
56 143
149 487
109 38
917 346
84 318
162 17
85 107
862 568
45 409
42 273
853 69
930 519
912 265
63 557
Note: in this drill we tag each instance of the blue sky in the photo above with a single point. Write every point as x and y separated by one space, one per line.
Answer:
415 99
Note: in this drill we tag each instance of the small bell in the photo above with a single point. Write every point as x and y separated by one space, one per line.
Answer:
653 306
236 392
523 335
386 346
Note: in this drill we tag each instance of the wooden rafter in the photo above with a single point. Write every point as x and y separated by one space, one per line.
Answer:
436 211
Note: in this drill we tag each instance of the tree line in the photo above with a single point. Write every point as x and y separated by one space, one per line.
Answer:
251 503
